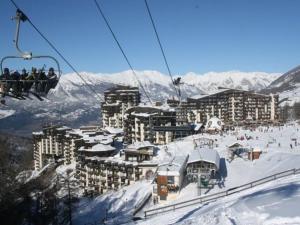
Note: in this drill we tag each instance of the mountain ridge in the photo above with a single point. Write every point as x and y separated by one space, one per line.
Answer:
74 104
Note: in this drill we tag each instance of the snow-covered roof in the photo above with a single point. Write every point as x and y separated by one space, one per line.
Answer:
204 95
63 128
198 126
140 144
206 155
113 130
256 149
173 167
98 148
144 114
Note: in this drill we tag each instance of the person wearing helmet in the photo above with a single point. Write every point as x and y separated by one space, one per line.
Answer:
52 80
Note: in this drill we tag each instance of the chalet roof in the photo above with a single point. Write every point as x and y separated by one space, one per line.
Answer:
173 167
256 149
205 155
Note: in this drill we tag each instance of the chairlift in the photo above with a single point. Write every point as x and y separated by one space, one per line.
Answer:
36 84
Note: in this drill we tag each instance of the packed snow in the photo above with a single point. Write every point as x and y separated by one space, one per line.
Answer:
6 113
271 203
274 203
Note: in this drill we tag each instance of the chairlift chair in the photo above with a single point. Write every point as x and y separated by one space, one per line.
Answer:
4 83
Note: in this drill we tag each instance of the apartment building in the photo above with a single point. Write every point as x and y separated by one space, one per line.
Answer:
48 145
155 124
231 106
116 101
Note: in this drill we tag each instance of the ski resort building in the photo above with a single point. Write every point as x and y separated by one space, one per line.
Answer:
139 151
62 143
116 101
48 145
202 162
155 124
169 178
99 171
98 174
232 105
93 151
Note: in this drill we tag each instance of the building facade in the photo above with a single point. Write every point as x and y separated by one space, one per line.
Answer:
154 124
48 145
98 165
232 106
116 101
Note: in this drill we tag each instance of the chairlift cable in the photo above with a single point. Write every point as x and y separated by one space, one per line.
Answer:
121 49
161 48
58 52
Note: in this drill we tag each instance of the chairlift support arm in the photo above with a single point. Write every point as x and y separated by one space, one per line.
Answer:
20 16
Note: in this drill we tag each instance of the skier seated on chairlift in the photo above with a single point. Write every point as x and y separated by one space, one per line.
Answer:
52 80
5 85
32 78
42 81
15 84
23 76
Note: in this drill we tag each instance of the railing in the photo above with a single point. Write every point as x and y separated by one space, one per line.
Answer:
213 197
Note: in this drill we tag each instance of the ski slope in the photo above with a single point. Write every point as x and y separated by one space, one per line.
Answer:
261 202
274 203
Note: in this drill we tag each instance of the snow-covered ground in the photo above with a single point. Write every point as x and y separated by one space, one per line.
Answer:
277 156
293 95
6 113
272 203
116 207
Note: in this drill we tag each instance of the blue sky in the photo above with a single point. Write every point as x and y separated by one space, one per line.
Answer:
198 35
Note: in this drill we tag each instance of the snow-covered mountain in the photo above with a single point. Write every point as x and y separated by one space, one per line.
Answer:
73 103
287 85
193 83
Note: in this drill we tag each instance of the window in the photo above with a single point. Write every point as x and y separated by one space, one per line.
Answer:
170 179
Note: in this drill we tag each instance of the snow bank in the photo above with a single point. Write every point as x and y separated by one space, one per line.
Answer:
6 113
